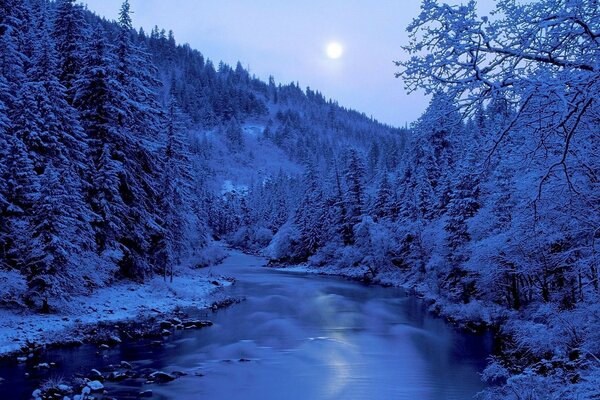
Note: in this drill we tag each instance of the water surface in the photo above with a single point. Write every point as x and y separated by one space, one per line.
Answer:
296 337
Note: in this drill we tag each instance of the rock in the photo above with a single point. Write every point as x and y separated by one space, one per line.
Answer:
216 283
21 359
42 366
36 393
244 360
115 340
196 324
179 374
117 376
166 332
86 391
161 377
126 365
166 324
95 386
104 346
96 375
145 393
176 321
65 388
156 343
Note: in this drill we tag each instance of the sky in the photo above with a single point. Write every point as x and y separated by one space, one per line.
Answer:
289 39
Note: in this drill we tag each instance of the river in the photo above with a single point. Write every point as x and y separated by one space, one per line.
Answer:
295 337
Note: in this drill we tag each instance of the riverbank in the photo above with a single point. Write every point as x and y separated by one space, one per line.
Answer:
474 317
123 302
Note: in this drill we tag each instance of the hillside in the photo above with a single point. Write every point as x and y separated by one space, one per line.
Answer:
139 147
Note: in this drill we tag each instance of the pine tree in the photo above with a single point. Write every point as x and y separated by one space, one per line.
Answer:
98 97
70 34
58 235
354 175
176 190
384 199
234 136
136 76
21 185
60 139
309 216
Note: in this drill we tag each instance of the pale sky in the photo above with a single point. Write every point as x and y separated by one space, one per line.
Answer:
288 39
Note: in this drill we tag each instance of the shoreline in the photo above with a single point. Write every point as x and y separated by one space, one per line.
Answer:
433 303
127 305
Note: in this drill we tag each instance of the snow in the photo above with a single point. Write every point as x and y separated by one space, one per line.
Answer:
95 386
121 302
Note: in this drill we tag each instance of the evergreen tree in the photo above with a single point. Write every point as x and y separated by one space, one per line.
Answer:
354 175
309 216
58 235
70 34
384 199
175 192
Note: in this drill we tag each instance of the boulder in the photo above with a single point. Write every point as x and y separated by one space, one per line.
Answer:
95 386
161 377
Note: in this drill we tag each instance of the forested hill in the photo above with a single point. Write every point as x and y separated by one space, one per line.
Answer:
123 152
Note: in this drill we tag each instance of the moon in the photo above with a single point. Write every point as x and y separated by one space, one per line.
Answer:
334 50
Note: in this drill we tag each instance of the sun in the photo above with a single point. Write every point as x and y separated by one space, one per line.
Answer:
334 50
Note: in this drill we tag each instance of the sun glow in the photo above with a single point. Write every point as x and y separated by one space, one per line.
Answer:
334 50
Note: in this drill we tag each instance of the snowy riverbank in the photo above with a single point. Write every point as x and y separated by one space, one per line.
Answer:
122 302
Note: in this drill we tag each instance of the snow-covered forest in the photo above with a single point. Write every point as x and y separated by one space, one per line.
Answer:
123 154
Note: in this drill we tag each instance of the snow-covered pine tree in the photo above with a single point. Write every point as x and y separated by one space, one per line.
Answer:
70 33
22 188
383 205
309 215
58 235
353 176
175 197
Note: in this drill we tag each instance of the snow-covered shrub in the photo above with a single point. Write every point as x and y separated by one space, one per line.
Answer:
282 246
262 237
326 256
208 256
251 238
348 257
374 241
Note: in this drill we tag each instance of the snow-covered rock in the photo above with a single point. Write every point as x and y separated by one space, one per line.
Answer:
95 386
